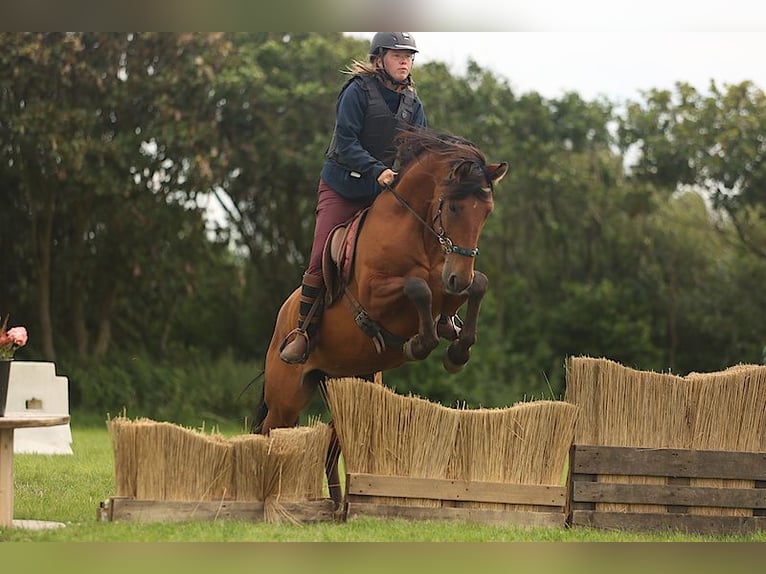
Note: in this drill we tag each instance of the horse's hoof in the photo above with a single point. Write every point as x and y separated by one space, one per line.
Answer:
339 512
448 335
450 366
407 350
447 329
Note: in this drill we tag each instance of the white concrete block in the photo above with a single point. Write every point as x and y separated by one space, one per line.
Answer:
34 386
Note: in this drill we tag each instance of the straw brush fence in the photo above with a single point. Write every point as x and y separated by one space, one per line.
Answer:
644 450
681 419
167 472
409 457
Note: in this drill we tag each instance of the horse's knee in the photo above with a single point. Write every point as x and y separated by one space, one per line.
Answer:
417 290
479 285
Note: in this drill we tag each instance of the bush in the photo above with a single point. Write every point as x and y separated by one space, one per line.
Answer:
184 393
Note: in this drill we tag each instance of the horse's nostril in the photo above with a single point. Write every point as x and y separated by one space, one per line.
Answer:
454 284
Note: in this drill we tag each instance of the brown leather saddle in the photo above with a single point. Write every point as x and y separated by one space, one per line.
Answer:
339 255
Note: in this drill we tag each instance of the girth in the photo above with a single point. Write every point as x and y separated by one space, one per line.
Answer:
381 338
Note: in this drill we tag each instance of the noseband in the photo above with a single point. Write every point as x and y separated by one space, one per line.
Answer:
441 236
445 241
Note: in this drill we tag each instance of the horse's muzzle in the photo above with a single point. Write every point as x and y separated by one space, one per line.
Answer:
455 283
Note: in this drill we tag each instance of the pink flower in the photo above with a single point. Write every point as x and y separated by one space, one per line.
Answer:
11 339
18 336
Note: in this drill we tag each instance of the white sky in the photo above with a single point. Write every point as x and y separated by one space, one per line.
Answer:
610 48
616 65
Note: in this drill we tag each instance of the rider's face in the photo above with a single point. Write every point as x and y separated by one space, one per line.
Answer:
398 63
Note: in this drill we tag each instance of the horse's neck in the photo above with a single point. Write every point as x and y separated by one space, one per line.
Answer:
416 190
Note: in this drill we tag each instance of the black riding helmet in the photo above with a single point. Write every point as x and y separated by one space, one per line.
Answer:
382 41
392 41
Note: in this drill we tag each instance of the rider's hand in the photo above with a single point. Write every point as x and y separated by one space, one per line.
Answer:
386 177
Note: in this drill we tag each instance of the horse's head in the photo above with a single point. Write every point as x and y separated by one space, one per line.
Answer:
461 185
464 200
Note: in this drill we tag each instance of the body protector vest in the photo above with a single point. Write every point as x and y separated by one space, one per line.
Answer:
380 123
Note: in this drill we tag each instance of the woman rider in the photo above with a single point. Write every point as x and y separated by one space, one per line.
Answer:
378 98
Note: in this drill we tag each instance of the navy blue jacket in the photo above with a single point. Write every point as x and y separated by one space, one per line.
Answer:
354 171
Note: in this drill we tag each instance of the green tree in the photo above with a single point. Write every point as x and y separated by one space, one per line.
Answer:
105 143
279 95
713 141
710 144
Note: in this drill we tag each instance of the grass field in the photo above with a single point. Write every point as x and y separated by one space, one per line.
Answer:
69 489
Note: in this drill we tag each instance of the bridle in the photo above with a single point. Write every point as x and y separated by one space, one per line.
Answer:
445 241
441 236
382 338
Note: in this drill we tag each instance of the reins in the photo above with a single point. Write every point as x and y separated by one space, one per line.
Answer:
380 336
441 236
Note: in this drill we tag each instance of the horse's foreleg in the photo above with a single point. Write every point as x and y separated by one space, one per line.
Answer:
459 351
420 345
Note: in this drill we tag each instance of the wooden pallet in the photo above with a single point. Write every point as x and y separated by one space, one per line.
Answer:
370 495
675 498
131 509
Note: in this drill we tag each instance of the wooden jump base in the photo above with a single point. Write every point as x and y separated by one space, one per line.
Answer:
130 509
364 491
679 466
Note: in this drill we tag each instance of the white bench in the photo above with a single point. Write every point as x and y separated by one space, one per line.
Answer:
35 388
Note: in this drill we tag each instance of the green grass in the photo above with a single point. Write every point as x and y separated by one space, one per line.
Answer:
69 489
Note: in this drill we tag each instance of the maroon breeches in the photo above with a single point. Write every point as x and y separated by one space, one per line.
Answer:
332 209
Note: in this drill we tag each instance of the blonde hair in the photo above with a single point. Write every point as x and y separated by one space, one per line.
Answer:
361 68
357 68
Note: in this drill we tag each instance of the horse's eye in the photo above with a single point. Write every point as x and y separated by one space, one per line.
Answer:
453 208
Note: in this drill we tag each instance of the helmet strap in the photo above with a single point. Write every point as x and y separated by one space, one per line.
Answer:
398 86
388 78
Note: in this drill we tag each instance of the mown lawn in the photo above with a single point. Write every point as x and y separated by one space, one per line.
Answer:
69 489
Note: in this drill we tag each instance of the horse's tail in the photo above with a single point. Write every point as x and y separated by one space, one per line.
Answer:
262 410
260 414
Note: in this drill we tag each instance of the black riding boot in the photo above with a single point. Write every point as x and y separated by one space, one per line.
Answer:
296 346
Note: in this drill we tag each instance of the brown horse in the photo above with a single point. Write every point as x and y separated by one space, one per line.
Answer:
414 260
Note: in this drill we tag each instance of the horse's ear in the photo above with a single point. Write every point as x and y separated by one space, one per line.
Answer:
497 171
463 169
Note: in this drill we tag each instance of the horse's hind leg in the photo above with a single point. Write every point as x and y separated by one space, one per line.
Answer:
331 469
319 378
459 351
420 345
333 456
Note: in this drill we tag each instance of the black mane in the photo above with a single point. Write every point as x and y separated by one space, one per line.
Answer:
414 141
